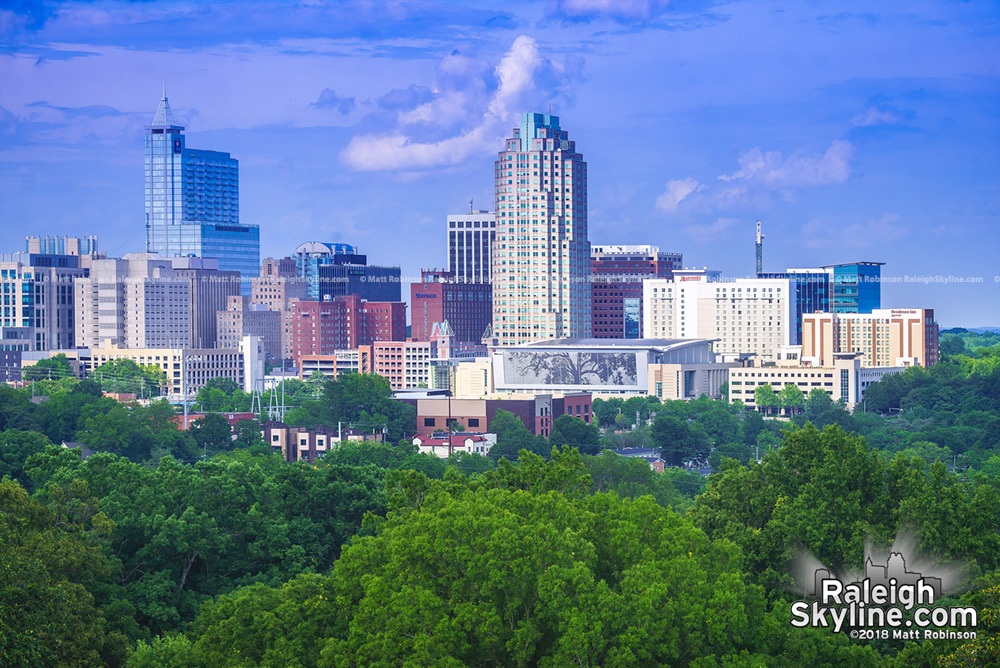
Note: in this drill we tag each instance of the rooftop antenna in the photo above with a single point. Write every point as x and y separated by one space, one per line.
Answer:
164 90
471 210
760 250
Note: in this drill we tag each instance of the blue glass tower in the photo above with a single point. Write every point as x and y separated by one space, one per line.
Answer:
192 201
857 287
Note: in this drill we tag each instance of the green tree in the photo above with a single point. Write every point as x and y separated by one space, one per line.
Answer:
572 431
15 448
53 368
512 436
678 441
765 397
212 432
791 398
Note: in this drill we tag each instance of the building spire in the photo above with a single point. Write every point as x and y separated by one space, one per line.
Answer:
164 118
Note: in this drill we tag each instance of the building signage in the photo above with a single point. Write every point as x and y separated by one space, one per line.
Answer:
421 295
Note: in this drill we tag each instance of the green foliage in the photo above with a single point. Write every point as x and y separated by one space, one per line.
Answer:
15 448
678 441
124 375
213 433
53 368
48 570
766 398
574 432
513 437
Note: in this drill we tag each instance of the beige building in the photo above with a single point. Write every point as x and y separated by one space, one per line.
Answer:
243 318
405 364
884 337
843 379
278 288
135 302
541 254
754 315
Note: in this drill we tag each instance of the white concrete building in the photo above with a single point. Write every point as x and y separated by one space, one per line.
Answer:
754 315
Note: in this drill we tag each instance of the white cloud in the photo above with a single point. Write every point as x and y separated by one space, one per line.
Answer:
874 116
676 191
525 78
771 170
620 10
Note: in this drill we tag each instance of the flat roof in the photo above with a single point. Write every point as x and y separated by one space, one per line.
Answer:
576 342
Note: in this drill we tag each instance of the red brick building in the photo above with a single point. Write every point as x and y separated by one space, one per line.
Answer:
616 274
475 415
468 307
319 328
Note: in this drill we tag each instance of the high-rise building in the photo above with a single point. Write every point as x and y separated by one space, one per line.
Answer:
334 270
210 290
884 337
751 315
857 286
192 201
244 318
133 302
617 273
278 287
470 237
440 297
541 255
37 293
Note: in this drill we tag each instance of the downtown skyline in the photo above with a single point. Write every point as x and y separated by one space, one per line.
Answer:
847 136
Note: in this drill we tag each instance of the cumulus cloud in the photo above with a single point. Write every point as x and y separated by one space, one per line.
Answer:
328 99
675 193
405 98
874 116
623 11
464 117
771 170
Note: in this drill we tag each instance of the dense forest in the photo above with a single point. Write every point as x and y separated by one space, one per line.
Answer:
183 549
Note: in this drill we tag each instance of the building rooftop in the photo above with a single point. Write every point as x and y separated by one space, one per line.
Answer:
612 343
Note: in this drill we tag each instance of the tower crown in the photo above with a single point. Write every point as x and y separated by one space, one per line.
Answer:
163 119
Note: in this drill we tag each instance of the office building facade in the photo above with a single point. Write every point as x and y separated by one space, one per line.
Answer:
470 238
210 290
541 255
746 316
192 201
883 338
335 270
37 293
440 297
320 328
616 275
244 318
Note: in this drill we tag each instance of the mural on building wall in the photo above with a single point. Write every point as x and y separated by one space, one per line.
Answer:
569 368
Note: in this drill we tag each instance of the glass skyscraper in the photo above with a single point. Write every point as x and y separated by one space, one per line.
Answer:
192 201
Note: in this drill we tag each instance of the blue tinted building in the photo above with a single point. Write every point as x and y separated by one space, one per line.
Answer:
812 293
857 286
192 201
332 270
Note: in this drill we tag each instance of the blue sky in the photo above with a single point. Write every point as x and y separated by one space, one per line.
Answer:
854 131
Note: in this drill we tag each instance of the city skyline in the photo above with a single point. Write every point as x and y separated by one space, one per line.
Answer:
848 137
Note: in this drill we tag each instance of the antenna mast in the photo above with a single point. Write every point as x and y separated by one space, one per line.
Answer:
760 250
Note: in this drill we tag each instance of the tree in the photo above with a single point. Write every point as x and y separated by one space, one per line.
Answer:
53 368
791 398
248 435
125 375
765 397
15 448
212 432
512 436
572 431
679 442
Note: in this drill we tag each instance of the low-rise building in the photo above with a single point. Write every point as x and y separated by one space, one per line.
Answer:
445 445
301 444
537 413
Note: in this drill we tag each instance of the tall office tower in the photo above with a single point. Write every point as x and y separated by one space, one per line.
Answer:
37 291
321 328
334 270
470 237
884 337
136 302
244 318
541 256
192 201
616 275
751 315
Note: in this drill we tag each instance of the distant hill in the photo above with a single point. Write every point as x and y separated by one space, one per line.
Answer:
977 330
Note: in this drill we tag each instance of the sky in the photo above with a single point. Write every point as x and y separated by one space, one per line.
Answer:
852 130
